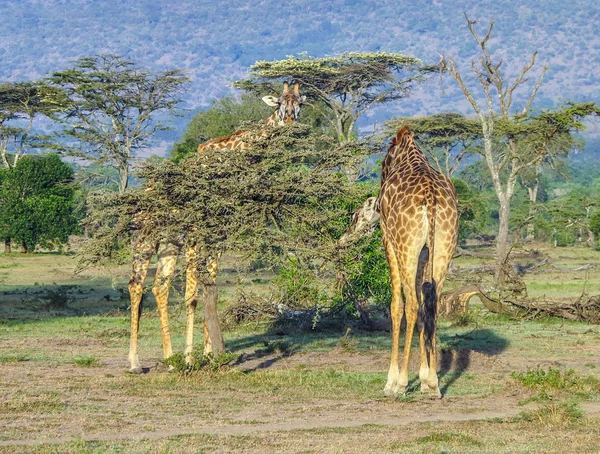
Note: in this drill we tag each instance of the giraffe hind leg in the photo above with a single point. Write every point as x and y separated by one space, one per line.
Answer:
393 387
165 271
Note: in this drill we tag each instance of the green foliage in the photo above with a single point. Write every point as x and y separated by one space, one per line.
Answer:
299 286
37 202
271 201
595 225
472 210
368 275
200 362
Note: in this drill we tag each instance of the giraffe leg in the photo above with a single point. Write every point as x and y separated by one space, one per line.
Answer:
424 368
142 253
411 310
165 270
393 386
433 381
432 378
191 299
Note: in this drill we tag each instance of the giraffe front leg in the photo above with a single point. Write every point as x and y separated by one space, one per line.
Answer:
142 253
135 294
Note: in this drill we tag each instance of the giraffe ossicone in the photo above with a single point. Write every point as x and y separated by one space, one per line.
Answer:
287 111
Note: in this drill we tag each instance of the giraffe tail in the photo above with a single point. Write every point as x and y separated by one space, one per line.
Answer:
428 305
427 298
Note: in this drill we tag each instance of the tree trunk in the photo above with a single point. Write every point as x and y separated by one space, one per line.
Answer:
123 178
502 239
533 190
213 337
7 248
24 249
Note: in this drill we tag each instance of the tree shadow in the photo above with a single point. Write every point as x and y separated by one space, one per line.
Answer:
269 349
277 344
455 356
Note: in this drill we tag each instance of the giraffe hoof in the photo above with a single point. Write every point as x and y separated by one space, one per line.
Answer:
395 391
136 370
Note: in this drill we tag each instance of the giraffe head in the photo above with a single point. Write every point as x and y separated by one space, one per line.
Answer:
363 222
288 105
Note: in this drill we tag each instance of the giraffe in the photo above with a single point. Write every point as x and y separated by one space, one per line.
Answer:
167 250
363 222
419 222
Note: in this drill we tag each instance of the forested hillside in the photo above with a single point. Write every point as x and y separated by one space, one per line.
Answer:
215 42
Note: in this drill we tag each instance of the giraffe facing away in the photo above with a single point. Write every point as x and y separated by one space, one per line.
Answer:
287 111
419 222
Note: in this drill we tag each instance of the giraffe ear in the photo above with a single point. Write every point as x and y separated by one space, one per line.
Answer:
271 101
302 99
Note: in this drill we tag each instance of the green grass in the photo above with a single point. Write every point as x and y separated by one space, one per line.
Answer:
451 438
13 357
86 361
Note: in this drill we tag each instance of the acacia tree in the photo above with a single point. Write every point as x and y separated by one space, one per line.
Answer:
511 138
348 84
20 104
113 107
276 199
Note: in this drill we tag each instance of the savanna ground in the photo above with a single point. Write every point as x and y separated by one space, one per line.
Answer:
509 386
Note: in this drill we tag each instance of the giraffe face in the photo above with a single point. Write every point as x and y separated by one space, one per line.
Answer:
363 222
288 104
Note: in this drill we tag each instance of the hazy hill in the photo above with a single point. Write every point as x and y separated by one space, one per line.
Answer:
216 41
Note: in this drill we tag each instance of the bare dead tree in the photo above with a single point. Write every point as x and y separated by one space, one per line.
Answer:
505 156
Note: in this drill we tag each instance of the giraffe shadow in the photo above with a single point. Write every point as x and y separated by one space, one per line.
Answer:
456 355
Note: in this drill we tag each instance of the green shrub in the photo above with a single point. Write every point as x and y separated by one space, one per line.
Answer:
200 362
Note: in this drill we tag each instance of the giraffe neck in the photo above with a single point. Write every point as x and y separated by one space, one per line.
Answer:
406 151
404 155
274 119
238 140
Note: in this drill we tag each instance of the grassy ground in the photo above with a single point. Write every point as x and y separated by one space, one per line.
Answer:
508 386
